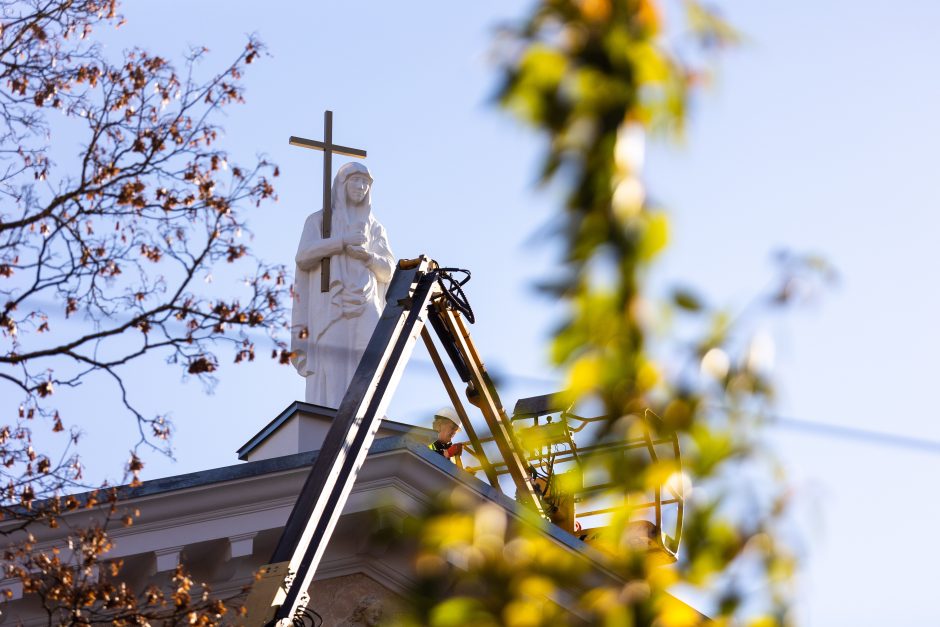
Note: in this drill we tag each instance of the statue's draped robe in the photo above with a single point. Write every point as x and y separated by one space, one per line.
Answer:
338 323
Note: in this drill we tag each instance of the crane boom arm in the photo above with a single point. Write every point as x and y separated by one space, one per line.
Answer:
414 297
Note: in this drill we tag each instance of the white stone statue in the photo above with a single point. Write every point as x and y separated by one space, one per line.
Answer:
330 330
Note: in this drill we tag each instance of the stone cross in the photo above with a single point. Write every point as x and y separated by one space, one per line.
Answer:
328 148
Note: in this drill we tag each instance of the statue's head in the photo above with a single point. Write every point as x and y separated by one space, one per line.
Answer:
352 185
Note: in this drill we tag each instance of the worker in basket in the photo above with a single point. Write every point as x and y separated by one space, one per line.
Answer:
447 424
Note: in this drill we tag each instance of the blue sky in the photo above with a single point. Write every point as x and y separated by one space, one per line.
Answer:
819 135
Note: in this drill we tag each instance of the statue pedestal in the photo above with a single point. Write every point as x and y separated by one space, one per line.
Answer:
303 426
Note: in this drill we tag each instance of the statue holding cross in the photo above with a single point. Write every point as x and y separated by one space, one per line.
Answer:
344 265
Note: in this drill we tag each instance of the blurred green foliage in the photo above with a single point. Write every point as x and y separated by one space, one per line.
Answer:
597 78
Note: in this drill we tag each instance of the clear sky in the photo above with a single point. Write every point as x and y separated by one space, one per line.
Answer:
818 135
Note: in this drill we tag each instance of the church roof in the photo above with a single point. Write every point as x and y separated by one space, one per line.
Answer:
382 446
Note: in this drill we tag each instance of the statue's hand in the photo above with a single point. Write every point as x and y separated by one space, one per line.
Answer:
355 237
358 252
299 359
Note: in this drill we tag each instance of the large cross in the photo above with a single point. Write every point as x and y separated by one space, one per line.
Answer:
328 148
